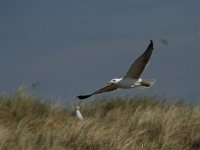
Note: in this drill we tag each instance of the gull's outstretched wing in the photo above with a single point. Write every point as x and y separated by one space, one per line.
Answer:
108 88
138 66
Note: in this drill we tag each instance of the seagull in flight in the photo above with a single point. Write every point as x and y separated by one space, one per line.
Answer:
132 78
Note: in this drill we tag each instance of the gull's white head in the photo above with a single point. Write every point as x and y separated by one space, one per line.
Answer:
114 81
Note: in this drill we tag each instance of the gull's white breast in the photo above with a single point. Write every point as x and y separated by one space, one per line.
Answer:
128 83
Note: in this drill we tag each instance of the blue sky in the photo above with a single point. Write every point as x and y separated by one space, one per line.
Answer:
75 47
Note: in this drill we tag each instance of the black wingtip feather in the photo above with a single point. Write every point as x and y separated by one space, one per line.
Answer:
83 96
151 43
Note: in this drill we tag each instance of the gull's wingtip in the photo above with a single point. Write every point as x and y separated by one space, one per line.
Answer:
151 42
83 96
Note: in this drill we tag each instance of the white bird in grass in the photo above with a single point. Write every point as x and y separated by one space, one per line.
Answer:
132 78
78 113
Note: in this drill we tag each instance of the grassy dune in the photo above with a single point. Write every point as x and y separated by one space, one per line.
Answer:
137 123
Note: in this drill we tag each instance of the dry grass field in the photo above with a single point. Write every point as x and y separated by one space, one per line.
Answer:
129 123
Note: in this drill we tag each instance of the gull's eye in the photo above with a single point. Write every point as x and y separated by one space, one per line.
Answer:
114 80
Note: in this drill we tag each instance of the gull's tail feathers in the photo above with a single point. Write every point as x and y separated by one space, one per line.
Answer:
146 83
